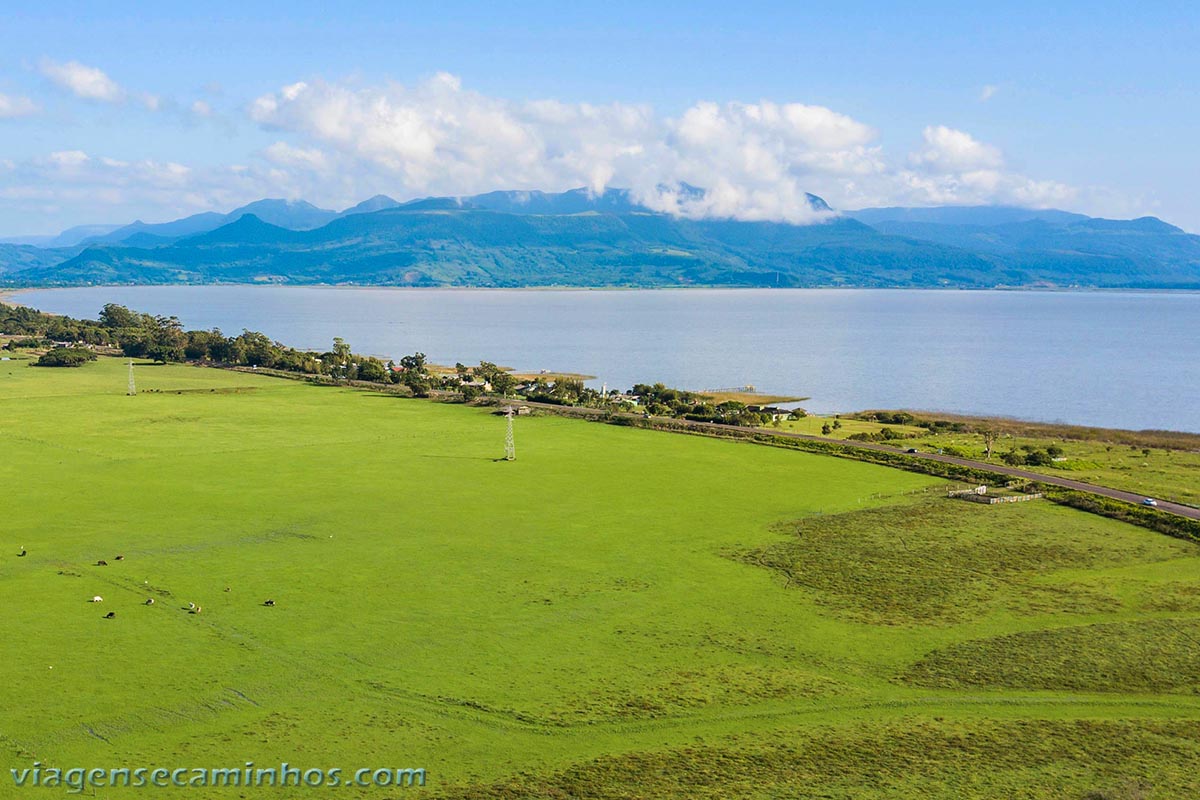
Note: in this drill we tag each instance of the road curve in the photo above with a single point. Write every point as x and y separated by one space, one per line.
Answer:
1117 494
1165 506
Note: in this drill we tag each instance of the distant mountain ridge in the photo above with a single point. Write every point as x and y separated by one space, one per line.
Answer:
294 214
578 238
301 215
962 215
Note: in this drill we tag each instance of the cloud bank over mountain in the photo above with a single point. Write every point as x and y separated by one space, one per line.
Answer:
334 142
757 160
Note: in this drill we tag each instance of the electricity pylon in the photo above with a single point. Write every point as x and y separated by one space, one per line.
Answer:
510 446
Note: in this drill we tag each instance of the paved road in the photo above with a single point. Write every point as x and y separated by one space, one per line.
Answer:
1165 506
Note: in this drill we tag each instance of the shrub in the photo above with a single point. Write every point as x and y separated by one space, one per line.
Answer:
1038 458
1013 458
65 357
13 344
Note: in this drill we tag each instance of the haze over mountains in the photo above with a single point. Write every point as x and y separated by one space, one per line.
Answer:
575 238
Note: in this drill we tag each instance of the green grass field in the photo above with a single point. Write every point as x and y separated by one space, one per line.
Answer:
620 613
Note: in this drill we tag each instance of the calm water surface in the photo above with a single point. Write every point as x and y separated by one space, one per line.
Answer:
1115 359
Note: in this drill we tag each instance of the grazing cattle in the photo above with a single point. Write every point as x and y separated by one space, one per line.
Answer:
120 558
22 553
196 610
97 599
110 615
192 606
101 563
268 602
149 601
227 588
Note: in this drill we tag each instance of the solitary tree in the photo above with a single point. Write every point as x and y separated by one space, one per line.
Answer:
989 441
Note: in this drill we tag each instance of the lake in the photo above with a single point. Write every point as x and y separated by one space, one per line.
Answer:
1114 359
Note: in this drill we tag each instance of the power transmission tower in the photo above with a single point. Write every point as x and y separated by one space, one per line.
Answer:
510 446
132 385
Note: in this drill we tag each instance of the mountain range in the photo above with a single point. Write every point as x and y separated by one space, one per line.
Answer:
576 238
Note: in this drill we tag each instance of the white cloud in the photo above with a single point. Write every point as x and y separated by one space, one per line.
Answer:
955 168
756 159
72 186
284 155
337 143
988 92
15 106
68 158
947 150
89 83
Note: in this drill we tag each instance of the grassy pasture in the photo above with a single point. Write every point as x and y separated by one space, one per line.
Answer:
615 614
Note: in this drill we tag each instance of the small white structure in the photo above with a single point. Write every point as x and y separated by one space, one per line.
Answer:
97 599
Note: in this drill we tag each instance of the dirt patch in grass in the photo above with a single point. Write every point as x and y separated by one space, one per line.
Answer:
1035 760
1158 655
689 690
1174 596
939 561
211 390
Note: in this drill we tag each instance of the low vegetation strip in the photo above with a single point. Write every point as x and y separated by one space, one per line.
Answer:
1170 524
874 566
925 759
1149 655
1174 440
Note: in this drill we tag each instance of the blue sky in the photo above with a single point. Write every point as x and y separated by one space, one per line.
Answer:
120 110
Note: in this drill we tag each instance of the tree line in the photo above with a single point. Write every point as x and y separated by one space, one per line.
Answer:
163 339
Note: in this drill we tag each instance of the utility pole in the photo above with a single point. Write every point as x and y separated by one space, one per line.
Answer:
132 385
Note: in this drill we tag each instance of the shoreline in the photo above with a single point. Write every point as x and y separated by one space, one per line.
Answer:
8 294
18 297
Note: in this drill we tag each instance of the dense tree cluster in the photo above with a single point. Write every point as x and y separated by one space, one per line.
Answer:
562 391
39 329
883 435
907 418
1030 456
163 339
660 400
66 357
